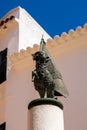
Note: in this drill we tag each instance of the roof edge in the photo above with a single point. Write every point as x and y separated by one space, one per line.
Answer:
11 11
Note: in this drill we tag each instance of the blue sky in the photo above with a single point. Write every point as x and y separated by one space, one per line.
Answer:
55 16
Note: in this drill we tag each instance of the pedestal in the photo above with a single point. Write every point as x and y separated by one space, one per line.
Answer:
46 114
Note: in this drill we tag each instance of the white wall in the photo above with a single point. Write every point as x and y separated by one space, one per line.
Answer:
2 103
21 32
73 67
21 91
9 38
30 32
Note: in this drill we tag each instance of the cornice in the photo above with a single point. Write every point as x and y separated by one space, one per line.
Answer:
11 12
57 46
72 34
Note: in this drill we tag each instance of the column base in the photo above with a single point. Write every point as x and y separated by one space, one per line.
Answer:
44 101
46 114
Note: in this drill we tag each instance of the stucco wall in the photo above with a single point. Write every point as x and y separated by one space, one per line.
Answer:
30 32
9 38
21 92
74 71
72 65
2 103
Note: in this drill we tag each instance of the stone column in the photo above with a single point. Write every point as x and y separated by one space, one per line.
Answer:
46 114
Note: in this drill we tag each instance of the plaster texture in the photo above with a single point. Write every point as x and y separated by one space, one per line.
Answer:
70 59
46 117
30 32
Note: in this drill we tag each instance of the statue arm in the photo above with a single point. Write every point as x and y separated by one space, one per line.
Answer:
34 74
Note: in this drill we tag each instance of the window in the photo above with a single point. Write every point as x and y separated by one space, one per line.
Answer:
3 126
3 65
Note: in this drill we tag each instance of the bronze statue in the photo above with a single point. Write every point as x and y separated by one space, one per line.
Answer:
47 79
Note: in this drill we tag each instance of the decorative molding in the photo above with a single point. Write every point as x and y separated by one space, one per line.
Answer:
2 22
56 46
45 101
72 35
8 23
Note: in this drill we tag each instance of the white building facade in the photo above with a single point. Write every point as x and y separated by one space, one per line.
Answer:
20 34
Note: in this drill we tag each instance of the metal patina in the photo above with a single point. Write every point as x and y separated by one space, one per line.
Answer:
47 79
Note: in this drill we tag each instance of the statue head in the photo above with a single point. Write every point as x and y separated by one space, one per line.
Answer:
39 56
